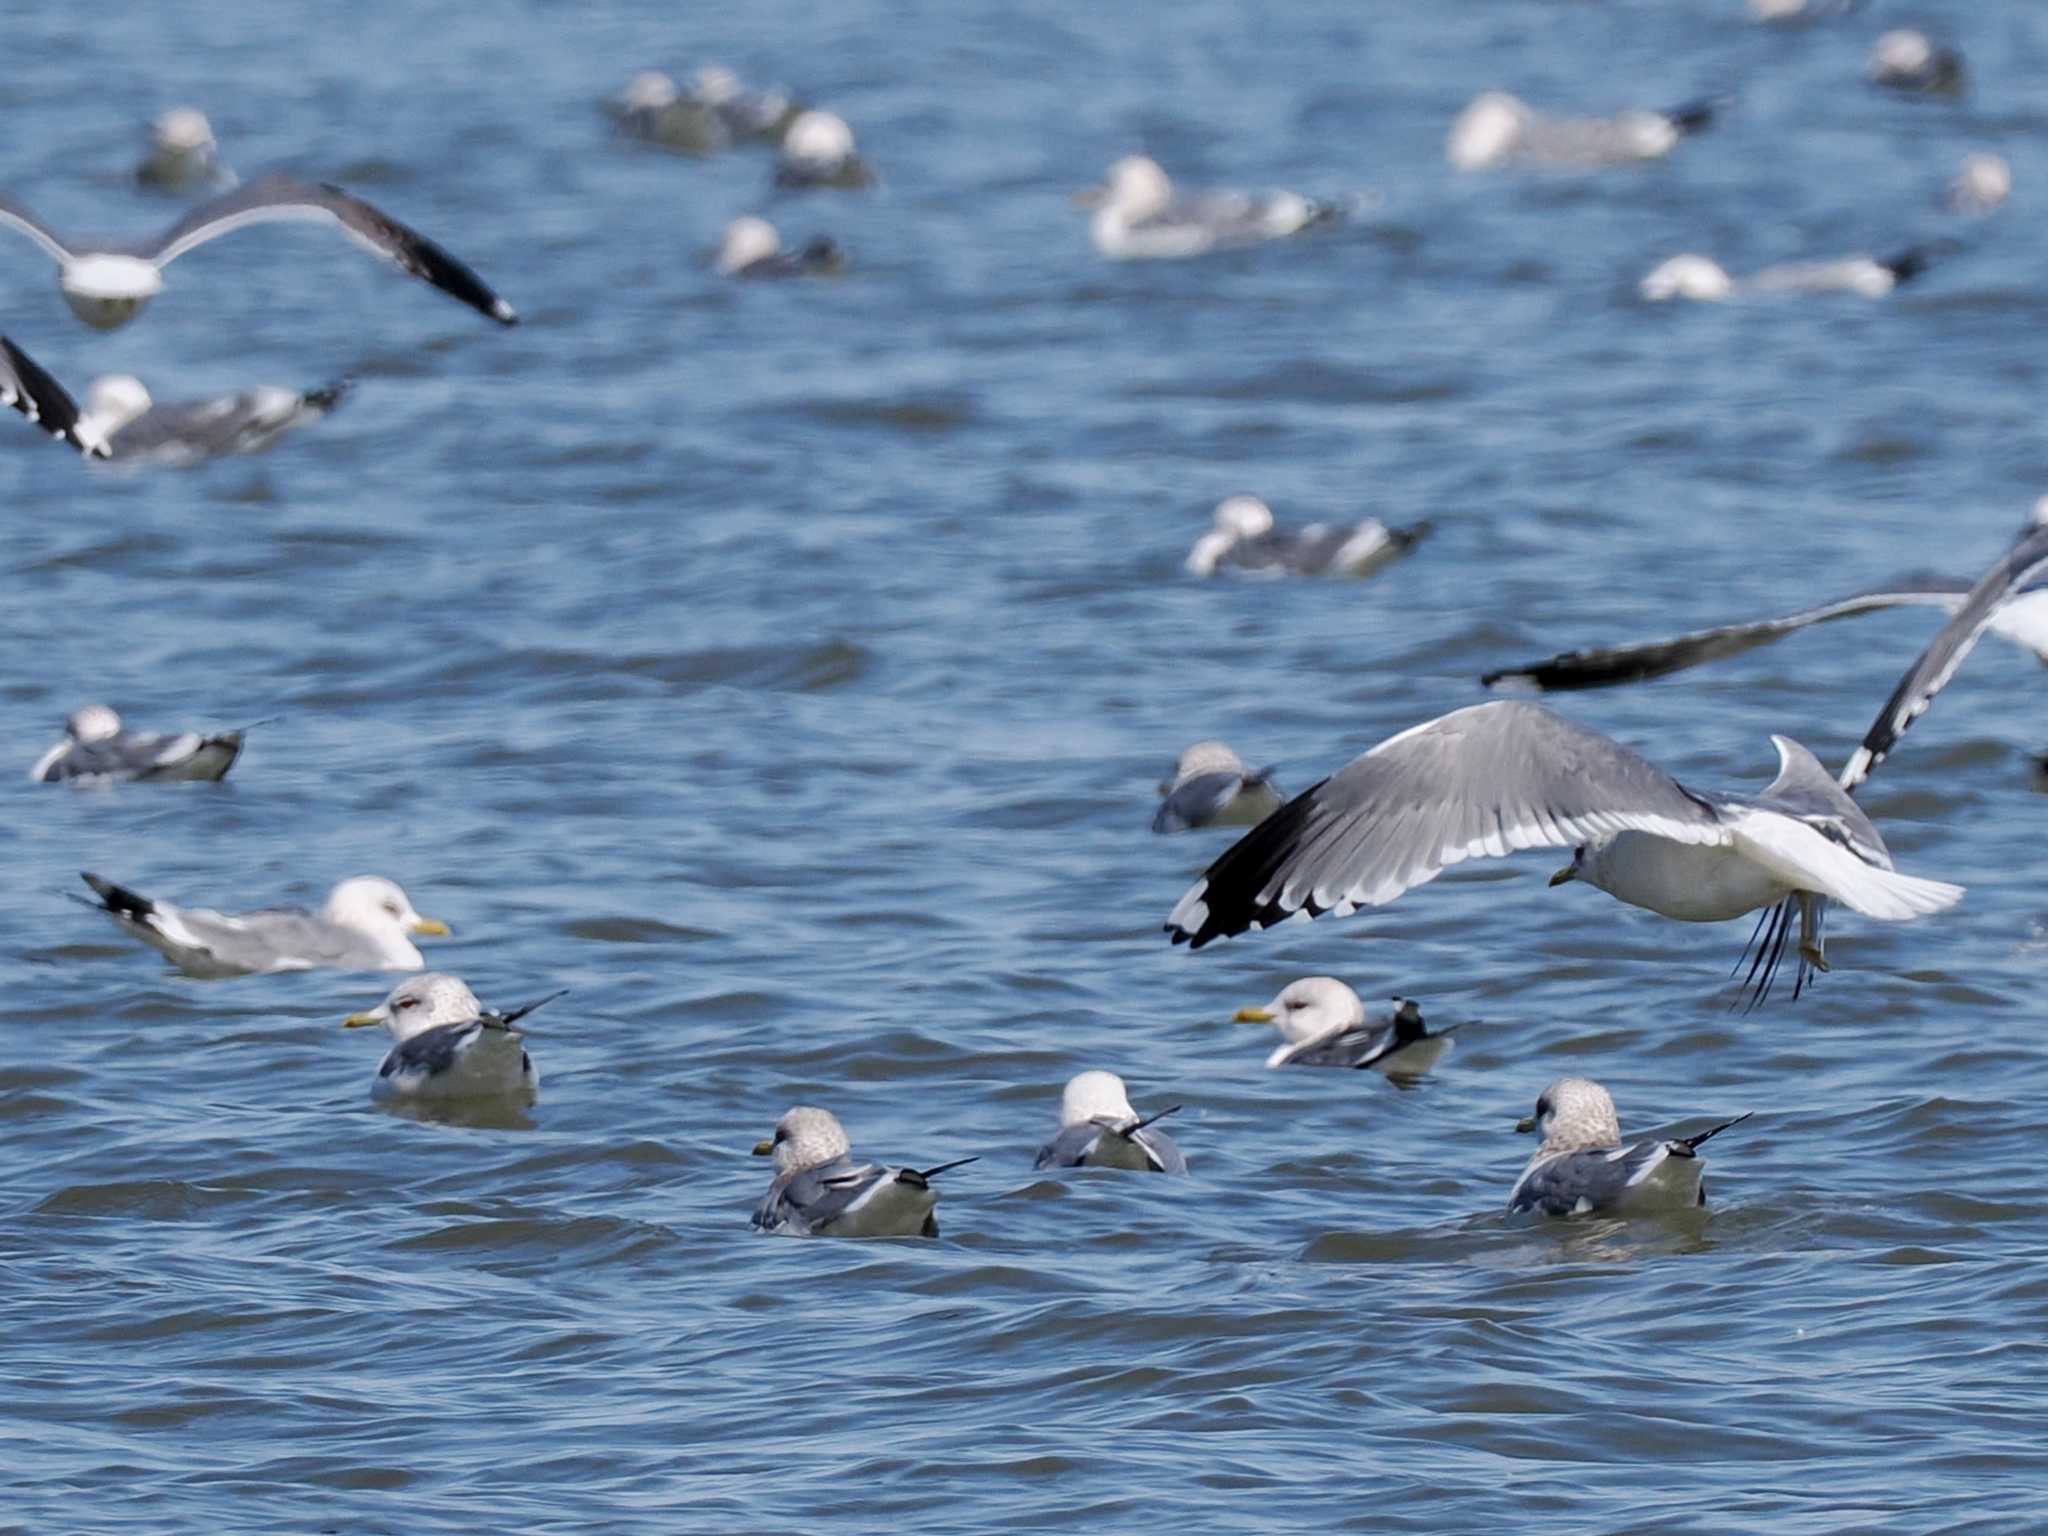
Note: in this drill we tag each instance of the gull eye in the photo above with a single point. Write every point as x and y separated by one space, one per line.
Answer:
408 1002
391 907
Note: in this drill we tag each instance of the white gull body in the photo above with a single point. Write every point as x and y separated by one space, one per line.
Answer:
1139 216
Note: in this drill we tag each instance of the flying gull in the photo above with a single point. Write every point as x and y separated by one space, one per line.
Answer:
751 247
1704 280
817 151
25 386
1140 217
1322 1023
1245 538
820 1191
1498 129
183 154
187 432
1582 1167
1099 1129
1211 787
448 1045
1912 63
97 748
1495 778
363 927
107 285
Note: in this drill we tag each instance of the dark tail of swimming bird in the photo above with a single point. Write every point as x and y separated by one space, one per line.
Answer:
1128 1131
1689 1145
919 1178
119 899
328 396
1698 116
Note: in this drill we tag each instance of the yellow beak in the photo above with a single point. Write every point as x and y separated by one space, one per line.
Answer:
1563 875
361 1020
431 925
1252 1016
1526 1124
764 1149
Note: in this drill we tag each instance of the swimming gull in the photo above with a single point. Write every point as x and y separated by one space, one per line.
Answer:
1495 778
751 247
363 927
1140 217
1099 1129
817 151
1499 129
187 432
29 389
183 154
820 1191
1211 787
1322 1023
107 285
1704 280
1582 1167
1910 62
1981 183
448 1045
98 748
1244 538
762 116
653 109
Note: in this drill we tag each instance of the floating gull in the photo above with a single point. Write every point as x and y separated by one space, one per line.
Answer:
182 154
187 432
1139 216
1244 538
1981 183
653 109
817 151
363 927
752 248
1324 1025
1499 129
764 116
1702 279
1211 787
1496 778
97 748
25 386
1582 1167
1099 1129
449 1046
820 1191
107 285
1911 62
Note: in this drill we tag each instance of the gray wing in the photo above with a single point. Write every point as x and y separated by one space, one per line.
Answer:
1805 789
1160 1151
129 755
430 1052
16 217
275 198
1933 668
1197 801
247 422
1479 782
1584 1181
270 939
25 386
1070 1148
803 1202
1603 666
1353 1048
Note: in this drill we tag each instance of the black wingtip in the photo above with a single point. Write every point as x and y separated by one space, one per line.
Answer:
506 1020
1693 1143
118 899
1697 116
926 1175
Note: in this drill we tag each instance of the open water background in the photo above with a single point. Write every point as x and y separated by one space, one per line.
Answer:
787 669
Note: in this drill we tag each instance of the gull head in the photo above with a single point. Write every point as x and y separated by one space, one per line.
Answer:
805 1137
1305 1009
715 84
649 91
95 722
1244 517
1686 277
1573 1114
420 1003
1134 189
1646 135
114 400
1093 1096
1203 757
1900 53
1982 182
372 904
746 240
818 139
182 131
107 290
1486 132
